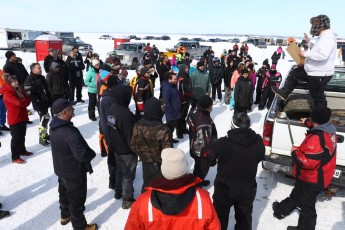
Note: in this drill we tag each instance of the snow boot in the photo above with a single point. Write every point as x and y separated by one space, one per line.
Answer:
43 136
283 208
284 92
91 227
292 228
66 220
4 214
127 203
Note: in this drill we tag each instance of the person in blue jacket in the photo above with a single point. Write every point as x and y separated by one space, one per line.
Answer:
90 81
172 101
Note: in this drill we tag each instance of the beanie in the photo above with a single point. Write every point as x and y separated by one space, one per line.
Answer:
112 80
240 120
321 115
251 66
94 62
9 54
174 163
194 63
244 71
200 64
143 71
205 102
265 62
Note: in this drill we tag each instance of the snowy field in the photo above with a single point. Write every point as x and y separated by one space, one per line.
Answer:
30 192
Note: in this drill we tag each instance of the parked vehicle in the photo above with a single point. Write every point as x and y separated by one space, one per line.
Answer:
10 38
262 45
193 48
64 34
284 116
28 45
106 37
183 39
129 50
165 38
69 43
137 38
235 40
157 38
198 39
148 38
213 40
252 41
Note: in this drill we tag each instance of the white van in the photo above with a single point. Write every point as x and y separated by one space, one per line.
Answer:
10 38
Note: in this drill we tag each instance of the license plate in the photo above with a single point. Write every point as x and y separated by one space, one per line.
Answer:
337 173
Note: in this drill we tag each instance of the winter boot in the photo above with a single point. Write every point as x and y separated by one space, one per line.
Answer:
292 228
4 214
4 128
66 220
43 136
118 194
127 203
284 92
91 227
283 208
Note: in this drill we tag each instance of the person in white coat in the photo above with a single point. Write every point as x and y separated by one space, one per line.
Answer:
318 68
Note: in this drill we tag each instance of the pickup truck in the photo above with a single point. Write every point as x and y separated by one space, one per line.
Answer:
193 48
129 50
69 43
285 115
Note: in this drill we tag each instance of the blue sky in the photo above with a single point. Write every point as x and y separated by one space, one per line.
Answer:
261 17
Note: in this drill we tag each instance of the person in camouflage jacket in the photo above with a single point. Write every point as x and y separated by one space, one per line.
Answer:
150 136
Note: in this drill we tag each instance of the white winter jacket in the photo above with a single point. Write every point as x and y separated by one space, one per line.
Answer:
320 58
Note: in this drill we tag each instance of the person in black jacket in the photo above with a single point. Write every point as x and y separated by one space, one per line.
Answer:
243 93
49 59
163 66
186 60
71 161
12 67
57 83
216 75
202 134
261 75
154 54
88 59
275 57
120 124
142 92
238 155
75 67
229 70
233 57
207 52
37 88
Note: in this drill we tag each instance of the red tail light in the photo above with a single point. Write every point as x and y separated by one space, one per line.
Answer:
267 134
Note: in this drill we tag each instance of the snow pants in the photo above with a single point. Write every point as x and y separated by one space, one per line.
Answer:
75 83
201 167
241 196
2 112
18 132
127 164
150 171
302 197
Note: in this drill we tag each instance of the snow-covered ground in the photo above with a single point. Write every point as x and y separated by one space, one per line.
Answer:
29 191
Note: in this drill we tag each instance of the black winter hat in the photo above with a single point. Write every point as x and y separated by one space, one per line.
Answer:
147 62
240 120
244 71
265 62
200 64
111 81
251 66
9 54
321 115
153 110
204 102
61 104
143 71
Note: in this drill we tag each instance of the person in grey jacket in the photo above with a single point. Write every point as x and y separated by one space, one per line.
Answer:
200 83
318 67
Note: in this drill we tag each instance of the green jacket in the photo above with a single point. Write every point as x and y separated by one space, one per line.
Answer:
90 80
200 83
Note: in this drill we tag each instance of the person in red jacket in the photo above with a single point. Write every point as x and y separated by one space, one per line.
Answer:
175 201
314 162
16 102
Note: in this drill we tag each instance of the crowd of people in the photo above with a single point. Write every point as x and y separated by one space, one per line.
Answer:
168 190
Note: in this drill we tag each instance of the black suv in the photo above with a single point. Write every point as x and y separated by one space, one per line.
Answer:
27 45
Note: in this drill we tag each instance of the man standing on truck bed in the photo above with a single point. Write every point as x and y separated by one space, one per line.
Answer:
314 163
319 63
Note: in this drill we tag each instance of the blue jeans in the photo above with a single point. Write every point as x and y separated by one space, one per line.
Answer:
128 166
2 112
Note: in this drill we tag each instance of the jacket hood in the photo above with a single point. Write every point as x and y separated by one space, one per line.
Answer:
181 70
122 94
53 65
57 122
327 127
171 197
242 136
152 109
107 92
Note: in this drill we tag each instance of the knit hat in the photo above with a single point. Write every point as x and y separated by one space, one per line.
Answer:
111 81
194 63
199 64
106 67
273 66
94 62
205 102
265 62
143 71
9 54
319 22
147 62
321 115
244 71
251 66
61 104
240 120
174 163
124 72
153 110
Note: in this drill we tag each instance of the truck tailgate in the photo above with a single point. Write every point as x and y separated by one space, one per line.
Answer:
281 143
